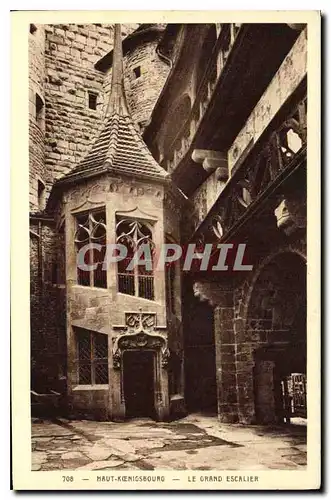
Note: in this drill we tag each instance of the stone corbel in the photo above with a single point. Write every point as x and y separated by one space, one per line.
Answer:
212 161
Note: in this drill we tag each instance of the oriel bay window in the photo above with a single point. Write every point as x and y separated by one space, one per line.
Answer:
90 242
92 357
136 278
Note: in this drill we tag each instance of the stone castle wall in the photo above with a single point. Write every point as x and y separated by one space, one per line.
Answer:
36 124
48 311
70 54
62 72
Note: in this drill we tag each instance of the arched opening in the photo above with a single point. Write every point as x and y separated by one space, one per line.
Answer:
276 327
200 356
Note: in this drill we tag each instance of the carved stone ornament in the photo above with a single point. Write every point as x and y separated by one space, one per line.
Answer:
140 331
88 195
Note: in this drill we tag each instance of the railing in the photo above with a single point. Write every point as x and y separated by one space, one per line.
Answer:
265 167
181 143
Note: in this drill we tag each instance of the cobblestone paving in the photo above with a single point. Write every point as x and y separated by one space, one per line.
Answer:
196 442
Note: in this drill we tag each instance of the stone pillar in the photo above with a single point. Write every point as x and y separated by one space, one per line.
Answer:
161 391
225 358
116 393
243 358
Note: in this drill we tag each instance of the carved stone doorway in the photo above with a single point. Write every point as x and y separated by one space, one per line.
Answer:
138 382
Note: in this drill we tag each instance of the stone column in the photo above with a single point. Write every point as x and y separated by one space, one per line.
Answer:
116 392
161 391
265 400
225 358
244 358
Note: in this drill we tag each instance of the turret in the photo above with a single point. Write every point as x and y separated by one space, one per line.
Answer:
37 117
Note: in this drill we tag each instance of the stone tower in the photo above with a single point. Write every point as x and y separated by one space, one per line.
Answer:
37 117
145 71
123 324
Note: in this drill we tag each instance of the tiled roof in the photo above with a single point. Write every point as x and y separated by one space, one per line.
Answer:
119 147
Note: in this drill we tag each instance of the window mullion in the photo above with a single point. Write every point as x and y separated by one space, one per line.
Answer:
136 268
91 264
136 281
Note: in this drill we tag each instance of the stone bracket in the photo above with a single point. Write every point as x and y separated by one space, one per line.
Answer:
211 161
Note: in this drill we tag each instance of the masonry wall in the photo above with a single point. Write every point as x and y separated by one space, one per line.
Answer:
36 124
290 74
70 54
48 309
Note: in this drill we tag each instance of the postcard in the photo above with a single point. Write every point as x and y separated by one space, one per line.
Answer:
166 250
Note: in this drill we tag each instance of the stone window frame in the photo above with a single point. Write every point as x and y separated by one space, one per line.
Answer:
140 284
90 226
137 72
40 111
88 355
32 29
41 194
96 94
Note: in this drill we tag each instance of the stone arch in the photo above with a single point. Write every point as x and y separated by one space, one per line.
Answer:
140 334
251 285
271 342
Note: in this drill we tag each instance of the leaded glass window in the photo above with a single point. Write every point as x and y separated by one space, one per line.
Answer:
139 280
91 228
92 361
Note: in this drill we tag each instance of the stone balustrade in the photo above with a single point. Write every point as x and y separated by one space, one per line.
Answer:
264 168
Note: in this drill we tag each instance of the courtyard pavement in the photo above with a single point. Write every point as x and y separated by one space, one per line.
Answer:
195 442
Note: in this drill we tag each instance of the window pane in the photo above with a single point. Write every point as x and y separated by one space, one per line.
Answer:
132 234
84 357
83 277
126 278
84 345
100 346
84 374
146 287
101 372
100 274
100 359
126 284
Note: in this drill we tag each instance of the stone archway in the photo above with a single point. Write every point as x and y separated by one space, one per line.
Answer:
140 334
274 340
